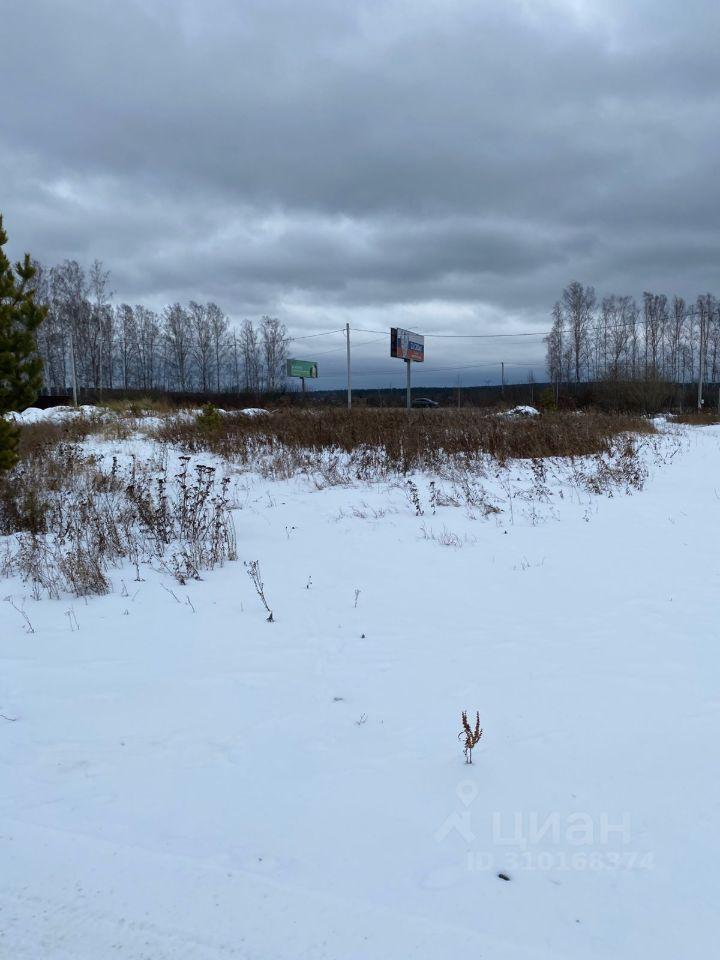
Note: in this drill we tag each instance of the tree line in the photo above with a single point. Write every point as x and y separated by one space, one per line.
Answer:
616 338
193 347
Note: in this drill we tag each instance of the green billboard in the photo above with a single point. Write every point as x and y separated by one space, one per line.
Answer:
302 368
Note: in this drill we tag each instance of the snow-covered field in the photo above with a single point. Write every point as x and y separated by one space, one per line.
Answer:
182 779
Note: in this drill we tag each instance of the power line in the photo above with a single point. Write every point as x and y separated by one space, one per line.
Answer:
481 363
638 321
364 343
465 336
564 329
430 369
481 336
310 336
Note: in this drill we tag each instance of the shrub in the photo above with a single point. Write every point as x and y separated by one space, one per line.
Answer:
546 400
209 421
74 519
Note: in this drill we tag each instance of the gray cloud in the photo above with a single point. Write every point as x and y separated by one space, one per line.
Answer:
449 163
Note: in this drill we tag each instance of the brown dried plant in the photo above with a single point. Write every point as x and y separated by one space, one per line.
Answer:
471 736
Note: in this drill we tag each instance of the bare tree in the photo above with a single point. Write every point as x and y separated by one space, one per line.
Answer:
252 358
578 303
177 332
219 333
554 346
620 313
656 322
274 344
127 345
676 337
148 347
202 343
706 309
71 306
50 334
101 328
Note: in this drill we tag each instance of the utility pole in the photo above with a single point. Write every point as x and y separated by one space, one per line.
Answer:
349 381
502 376
73 372
408 399
701 361
100 370
236 367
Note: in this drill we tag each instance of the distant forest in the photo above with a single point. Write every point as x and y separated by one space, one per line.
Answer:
193 348
617 339
188 347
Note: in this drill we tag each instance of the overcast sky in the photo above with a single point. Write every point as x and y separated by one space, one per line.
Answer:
446 166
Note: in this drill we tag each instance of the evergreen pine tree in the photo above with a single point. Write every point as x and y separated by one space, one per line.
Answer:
20 365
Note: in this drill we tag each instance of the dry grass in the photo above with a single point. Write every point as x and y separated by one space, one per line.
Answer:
698 418
70 519
141 406
392 440
47 434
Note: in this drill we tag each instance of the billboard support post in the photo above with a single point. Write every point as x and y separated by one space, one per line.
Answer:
407 346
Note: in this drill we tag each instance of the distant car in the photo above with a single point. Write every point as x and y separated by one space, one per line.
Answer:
425 402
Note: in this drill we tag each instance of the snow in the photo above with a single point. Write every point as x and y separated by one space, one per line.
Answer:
57 414
520 411
182 779
60 414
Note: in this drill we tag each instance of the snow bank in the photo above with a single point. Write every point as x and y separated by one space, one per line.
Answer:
61 414
520 411
57 414
247 412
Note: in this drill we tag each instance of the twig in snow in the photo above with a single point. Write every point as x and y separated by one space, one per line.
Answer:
253 571
28 625
171 592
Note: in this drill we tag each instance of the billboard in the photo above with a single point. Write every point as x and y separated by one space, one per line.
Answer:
302 368
407 345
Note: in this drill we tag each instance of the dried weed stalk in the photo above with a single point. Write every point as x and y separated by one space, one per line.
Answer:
470 734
